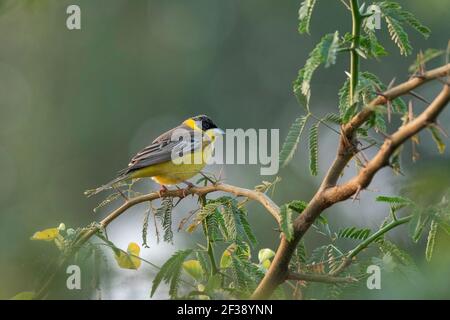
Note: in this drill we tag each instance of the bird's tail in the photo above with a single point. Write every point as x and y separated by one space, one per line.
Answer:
107 186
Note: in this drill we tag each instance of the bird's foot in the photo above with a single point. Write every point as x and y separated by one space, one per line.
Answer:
162 191
186 190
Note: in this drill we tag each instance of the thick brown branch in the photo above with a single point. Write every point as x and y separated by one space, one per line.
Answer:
329 194
346 149
381 159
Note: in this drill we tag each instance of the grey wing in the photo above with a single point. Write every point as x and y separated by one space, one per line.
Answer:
162 150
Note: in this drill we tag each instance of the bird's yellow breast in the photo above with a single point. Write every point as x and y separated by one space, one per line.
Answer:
170 172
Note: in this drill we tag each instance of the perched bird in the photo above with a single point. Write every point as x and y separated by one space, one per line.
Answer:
175 156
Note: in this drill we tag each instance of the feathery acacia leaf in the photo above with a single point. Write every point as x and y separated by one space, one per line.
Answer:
394 10
354 233
399 36
170 272
164 214
298 205
246 227
394 200
324 52
303 99
330 51
314 148
370 45
344 98
332 118
304 15
396 18
292 140
431 240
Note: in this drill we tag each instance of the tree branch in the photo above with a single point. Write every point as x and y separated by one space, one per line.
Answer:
258 196
347 261
381 159
328 193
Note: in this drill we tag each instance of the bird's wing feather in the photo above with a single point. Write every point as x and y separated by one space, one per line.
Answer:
162 148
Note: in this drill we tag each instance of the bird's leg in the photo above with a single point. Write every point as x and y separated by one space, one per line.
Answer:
162 190
190 185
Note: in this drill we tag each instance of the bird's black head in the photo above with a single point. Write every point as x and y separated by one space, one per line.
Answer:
205 122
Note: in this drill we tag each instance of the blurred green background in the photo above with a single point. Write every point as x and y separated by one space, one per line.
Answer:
76 105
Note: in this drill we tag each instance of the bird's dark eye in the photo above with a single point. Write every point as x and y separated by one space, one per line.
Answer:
204 122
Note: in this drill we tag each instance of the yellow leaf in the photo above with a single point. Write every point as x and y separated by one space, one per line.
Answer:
191 228
225 260
266 264
193 268
26 295
243 253
265 254
46 235
129 260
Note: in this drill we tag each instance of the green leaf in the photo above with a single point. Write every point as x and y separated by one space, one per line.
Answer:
314 148
437 139
399 36
324 52
286 222
431 240
170 272
246 275
332 118
246 226
370 45
393 12
202 257
344 99
304 15
232 221
409 18
399 254
393 200
164 214
418 224
423 58
303 99
297 205
354 233
330 52
292 140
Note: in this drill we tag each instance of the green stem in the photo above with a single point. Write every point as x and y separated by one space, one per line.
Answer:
210 250
376 235
354 57
363 245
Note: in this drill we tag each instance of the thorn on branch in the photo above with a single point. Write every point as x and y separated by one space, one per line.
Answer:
418 96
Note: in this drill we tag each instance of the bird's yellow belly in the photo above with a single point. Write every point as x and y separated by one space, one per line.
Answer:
169 173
